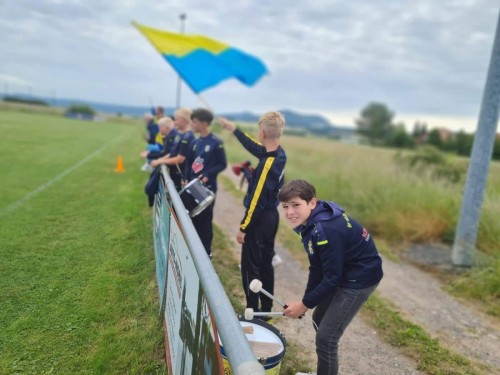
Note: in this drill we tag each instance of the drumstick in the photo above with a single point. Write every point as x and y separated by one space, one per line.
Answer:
179 170
249 314
256 287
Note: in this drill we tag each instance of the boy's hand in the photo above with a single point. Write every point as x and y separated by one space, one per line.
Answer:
226 124
144 154
240 237
295 309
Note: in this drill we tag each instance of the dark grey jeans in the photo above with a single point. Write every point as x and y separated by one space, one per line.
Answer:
330 318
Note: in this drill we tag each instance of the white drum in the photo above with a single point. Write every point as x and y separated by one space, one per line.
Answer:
267 343
196 197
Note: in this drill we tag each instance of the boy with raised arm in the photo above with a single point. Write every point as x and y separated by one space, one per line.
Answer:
259 225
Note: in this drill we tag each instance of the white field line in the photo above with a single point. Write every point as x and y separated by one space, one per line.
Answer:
22 200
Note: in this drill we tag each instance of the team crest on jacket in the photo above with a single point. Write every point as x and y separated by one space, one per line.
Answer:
197 165
366 235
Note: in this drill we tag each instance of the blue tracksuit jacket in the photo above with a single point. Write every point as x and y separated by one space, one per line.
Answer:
267 179
206 157
341 253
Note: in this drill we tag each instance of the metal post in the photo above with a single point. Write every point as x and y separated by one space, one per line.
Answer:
467 228
182 17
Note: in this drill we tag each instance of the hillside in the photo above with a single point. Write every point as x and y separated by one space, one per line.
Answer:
300 123
314 124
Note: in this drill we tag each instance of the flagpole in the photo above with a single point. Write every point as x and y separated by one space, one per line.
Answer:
182 17
204 101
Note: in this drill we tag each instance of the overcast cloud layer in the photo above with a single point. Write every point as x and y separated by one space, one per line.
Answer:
425 59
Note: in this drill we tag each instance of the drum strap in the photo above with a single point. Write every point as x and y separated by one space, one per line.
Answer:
179 170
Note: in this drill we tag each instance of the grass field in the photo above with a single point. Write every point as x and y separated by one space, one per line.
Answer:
78 294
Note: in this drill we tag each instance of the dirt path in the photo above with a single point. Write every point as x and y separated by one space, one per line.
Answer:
420 298
361 350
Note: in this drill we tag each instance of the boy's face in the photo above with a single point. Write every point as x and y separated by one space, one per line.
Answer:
181 123
297 210
197 125
165 130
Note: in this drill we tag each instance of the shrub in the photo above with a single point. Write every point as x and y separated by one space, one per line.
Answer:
80 109
429 159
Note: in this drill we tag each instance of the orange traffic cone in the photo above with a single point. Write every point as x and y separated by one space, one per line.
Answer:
119 165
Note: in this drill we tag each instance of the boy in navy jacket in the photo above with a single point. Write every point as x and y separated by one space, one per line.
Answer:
206 158
176 159
260 223
345 267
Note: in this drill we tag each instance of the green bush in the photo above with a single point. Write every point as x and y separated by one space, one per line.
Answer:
81 109
428 159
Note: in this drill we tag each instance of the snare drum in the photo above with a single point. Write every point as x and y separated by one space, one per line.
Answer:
196 197
267 343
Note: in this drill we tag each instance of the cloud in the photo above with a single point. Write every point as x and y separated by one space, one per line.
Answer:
422 57
12 80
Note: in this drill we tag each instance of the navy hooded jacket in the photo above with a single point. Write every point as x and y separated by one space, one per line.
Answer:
341 253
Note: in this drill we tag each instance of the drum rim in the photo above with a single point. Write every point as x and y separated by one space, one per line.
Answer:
193 181
202 205
276 358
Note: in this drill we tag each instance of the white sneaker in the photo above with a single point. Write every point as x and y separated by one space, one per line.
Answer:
276 260
147 168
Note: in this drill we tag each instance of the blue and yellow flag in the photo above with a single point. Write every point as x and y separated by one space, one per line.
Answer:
204 62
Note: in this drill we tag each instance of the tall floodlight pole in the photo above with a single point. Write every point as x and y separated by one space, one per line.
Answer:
182 17
482 149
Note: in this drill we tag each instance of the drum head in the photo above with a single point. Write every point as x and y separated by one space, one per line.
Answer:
264 342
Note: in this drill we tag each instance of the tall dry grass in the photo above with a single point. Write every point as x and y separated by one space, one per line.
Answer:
393 202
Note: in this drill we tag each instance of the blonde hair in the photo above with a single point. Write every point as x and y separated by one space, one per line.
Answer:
166 122
184 113
272 123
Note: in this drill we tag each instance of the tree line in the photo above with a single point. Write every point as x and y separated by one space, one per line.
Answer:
376 125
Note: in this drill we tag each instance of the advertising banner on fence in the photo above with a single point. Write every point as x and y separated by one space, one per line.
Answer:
161 235
192 347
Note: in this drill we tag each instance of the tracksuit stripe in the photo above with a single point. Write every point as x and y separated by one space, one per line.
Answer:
258 191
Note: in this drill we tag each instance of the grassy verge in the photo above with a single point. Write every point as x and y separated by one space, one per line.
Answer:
431 357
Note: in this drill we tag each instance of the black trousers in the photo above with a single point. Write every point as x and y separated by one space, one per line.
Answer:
203 225
176 178
256 259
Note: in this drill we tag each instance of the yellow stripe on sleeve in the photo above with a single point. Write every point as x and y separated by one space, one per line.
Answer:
258 191
322 242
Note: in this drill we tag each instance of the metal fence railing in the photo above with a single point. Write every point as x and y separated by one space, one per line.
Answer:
183 261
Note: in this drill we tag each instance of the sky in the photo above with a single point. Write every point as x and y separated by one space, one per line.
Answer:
426 60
